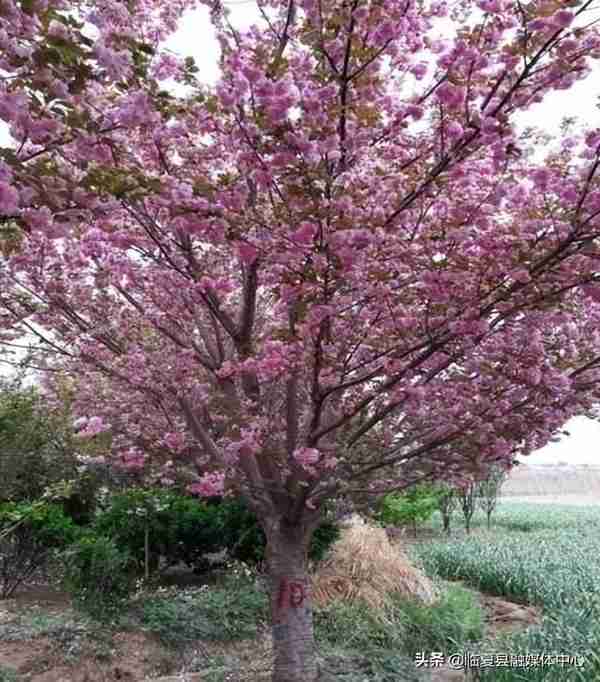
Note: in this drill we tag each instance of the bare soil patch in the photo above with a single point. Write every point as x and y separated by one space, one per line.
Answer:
40 660
71 653
130 656
505 616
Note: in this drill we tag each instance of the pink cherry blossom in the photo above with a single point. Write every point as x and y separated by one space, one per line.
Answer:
9 199
92 427
563 18
307 457
209 485
332 263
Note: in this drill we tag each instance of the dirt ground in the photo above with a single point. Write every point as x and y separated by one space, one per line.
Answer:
136 656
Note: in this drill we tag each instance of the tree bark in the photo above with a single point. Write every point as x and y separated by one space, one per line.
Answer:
291 603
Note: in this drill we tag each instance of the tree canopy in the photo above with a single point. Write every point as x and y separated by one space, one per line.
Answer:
339 259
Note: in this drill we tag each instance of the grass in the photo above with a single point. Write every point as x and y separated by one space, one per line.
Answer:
388 639
549 556
231 611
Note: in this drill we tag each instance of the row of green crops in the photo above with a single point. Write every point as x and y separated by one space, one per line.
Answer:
549 556
524 517
533 517
550 568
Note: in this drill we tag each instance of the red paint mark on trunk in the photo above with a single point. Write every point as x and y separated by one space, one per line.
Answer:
297 594
292 594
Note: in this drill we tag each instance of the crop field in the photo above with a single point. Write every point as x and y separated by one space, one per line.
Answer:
540 555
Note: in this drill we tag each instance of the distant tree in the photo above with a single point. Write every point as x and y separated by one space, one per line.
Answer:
489 491
26 432
466 493
413 507
446 504
38 449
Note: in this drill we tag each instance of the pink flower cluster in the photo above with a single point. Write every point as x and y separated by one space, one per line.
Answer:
210 485
307 457
88 427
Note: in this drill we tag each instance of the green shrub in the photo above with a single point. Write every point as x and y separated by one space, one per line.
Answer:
230 611
246 541
324 536
99 575
180 528
414 506
29 535
196 529
242 535
184 529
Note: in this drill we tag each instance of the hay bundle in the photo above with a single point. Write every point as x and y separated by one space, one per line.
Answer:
364 566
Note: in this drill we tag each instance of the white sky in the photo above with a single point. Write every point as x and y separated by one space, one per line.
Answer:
196 38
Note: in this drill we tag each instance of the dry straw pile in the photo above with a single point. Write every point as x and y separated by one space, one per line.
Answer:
364 566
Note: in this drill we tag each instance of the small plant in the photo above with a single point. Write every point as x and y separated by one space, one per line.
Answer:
99 575
414 506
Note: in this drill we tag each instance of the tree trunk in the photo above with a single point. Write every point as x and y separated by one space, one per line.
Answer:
291 603
489 519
